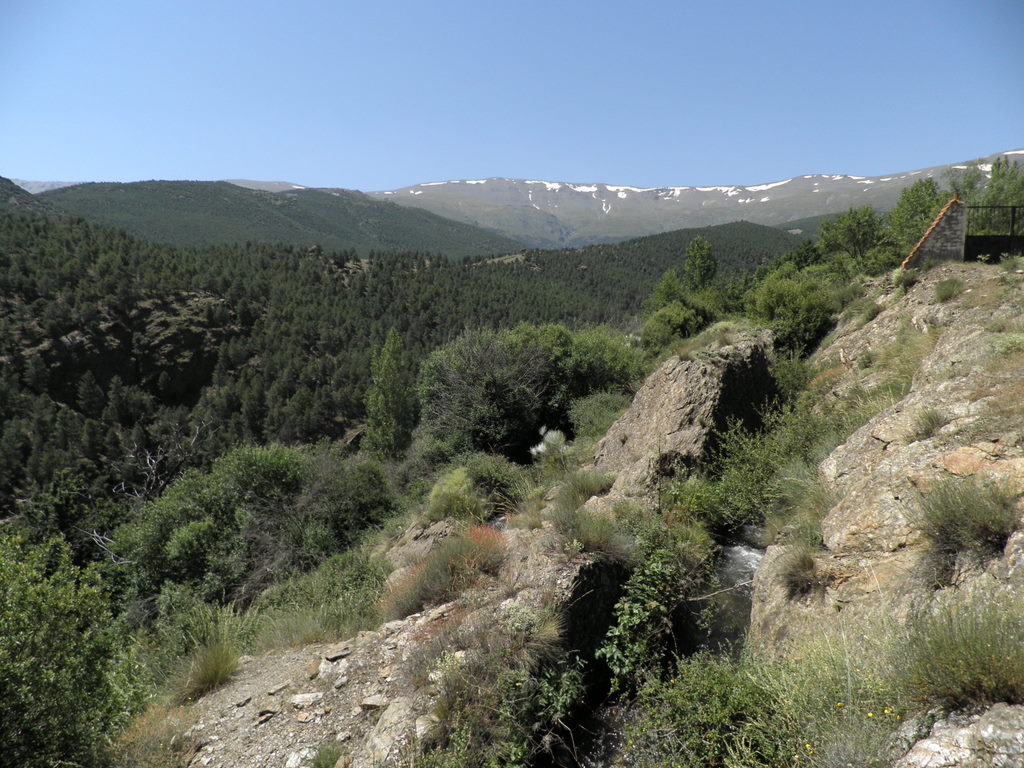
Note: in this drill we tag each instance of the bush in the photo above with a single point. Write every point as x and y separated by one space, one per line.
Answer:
966 652
966 516
455 496
948 289
66 679
258 515
698 716
446 570
670 325
498 479
799 310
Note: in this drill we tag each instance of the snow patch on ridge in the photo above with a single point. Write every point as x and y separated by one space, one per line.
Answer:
763 187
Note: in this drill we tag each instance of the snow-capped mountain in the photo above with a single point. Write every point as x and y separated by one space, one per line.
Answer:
548 214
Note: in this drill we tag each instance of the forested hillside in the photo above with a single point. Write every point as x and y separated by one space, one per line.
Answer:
115 347
195 213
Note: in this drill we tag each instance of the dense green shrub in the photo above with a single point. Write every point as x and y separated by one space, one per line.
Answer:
500 481
454 495
670 325
699 716
492 392
798 309
258 515
66 679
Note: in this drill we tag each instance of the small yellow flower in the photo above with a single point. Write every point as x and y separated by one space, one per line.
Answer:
871 714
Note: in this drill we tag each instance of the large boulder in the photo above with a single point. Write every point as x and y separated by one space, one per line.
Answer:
676 416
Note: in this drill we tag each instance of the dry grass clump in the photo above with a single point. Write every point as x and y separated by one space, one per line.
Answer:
447 570
156 738
928 422
798 571
212 664
966 516
967 652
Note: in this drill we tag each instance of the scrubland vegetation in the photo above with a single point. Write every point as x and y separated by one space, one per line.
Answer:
157 534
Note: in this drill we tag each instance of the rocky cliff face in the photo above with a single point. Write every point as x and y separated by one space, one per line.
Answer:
969 385
961 420
375 695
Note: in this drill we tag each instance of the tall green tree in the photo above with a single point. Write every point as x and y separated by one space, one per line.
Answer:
700 266
855 232
917 207
390 400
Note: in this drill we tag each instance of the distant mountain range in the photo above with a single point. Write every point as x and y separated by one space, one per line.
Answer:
464 217
200 213
554 214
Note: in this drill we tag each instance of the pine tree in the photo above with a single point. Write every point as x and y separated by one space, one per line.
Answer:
390 404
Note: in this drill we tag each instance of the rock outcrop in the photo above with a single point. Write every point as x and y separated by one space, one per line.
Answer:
874 553
374 695
673 420
962 419
991 739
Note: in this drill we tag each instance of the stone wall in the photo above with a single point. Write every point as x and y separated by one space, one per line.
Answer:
944 240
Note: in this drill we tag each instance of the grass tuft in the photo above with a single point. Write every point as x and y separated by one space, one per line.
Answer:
965 516
327 755
965 652
212 665
446 570
928 422
799 571
948 289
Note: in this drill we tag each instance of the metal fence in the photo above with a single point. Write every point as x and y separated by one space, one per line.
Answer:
993 230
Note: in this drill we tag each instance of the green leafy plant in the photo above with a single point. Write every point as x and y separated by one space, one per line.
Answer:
66 677
637 641
697 716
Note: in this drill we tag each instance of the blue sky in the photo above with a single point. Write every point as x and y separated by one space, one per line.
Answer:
374 95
